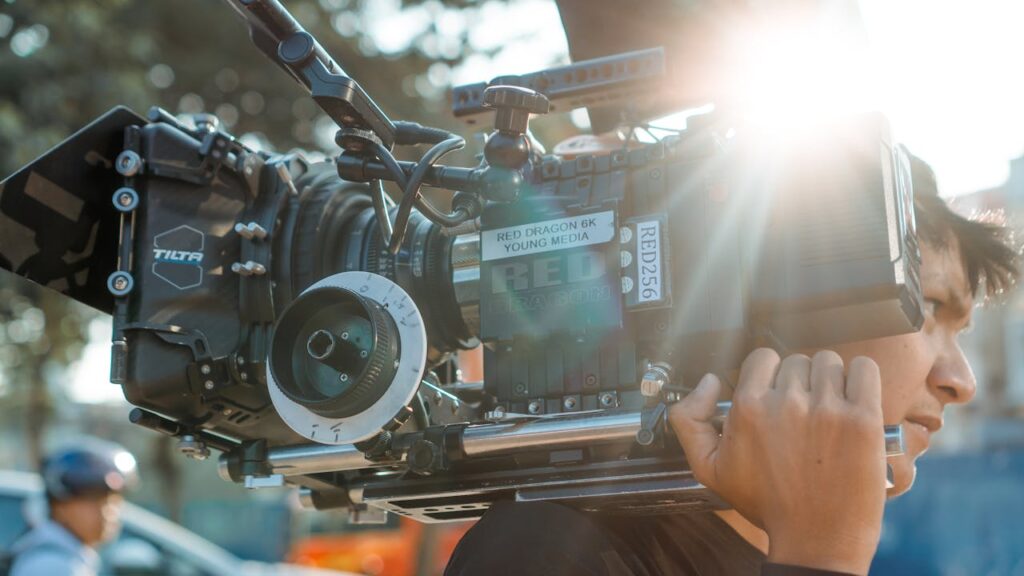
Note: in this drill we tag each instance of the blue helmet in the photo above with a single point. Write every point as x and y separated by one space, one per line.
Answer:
88 468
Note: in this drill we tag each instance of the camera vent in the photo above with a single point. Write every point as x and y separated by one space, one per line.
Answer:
840 235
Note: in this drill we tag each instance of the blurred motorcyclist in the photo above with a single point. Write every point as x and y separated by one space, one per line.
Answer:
84 485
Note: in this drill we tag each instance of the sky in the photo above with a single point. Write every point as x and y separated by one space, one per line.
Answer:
954 91
947 74
950 84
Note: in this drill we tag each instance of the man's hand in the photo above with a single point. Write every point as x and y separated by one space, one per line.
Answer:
801 454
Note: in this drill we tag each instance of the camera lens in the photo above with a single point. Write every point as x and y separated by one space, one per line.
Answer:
334 352
336 230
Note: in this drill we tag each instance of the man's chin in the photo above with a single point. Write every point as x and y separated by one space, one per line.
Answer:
903 473
110 532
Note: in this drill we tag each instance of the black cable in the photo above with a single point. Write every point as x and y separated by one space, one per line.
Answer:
411 133
410 193
666 129
410 189
389 162
437 216
629 137
647 129
380 208
419 411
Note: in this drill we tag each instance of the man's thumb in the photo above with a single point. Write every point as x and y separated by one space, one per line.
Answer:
691 421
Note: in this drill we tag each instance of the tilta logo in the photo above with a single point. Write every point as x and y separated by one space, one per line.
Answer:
177 256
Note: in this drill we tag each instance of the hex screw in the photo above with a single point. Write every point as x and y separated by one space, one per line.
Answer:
128 163
119 283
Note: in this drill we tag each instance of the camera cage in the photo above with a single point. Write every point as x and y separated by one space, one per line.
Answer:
452 464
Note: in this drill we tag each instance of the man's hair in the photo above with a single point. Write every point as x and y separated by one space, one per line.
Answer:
986 244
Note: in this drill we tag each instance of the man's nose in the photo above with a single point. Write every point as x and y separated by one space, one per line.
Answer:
951 377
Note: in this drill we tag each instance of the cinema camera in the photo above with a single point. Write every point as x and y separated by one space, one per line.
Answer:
291 316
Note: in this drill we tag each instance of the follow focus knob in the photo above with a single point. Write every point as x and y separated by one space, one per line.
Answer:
334 352
346 357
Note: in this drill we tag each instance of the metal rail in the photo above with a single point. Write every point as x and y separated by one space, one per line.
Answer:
548 433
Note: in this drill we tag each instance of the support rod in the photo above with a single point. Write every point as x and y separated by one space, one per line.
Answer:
549 433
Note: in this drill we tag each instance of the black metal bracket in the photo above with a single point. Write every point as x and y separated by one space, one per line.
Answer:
437 450
216 150
282 39
652 424
601 81
174 429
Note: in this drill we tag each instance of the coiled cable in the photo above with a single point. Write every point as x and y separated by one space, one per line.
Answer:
411 192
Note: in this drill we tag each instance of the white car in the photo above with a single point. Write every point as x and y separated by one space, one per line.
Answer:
148 544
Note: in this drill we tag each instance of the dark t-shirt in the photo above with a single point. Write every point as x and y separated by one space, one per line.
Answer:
542 538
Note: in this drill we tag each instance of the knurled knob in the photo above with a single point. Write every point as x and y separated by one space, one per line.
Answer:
514 105
516 97
205 122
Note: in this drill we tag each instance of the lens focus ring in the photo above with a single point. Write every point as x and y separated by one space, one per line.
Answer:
334 352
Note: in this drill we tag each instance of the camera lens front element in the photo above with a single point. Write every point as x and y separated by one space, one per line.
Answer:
347 356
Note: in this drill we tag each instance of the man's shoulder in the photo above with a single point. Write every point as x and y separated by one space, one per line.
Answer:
547 538
47 549
46 558
536 538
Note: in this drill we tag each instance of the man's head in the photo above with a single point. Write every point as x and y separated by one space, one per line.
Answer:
925 371
83 487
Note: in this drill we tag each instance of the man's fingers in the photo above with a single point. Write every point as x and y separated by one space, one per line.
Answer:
757 374
691 421
794 374
864 384
827 380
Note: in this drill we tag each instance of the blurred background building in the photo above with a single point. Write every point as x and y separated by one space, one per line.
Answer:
950 94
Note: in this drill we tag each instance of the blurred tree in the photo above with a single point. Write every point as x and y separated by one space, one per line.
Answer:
166 461
41 333
63 63
187 56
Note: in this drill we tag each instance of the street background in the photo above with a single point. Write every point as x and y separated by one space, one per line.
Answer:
952 90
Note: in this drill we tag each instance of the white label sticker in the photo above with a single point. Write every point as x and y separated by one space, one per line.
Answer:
548 235
648 248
